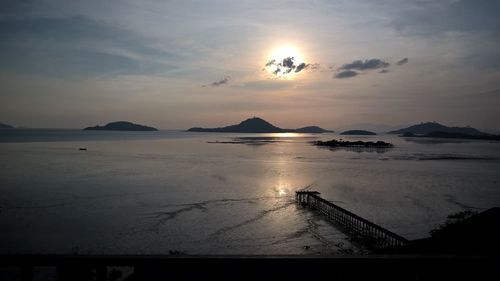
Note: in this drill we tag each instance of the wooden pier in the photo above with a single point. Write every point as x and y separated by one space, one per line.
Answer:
374 236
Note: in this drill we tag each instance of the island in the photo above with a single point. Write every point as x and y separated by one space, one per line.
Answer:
359 133
5 126
258 125
121 126
447 135
430 127
361 144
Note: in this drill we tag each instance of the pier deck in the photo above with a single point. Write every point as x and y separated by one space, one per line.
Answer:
373 235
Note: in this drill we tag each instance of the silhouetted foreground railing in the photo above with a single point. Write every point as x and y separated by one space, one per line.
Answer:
160 268
371 234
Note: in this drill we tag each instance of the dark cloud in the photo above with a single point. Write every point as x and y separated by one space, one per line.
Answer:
365 65
287 65
288 62
345 74
403 61
383 71
269 63
223 81
301 67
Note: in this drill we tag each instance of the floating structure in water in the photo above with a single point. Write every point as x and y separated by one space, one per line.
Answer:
363 144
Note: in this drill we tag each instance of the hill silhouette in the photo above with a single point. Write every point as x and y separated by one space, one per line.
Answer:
121 126
257 125
445 135
312 130
358 132
429 127
5 126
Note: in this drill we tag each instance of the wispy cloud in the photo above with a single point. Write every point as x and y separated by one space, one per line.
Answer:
489 94
354 68
402 61
220 82
345 74
77 46
365 65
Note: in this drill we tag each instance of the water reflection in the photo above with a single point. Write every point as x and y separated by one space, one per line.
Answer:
261 140
286 135
282 190
422 140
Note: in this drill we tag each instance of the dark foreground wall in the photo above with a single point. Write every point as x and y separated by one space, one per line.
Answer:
256 267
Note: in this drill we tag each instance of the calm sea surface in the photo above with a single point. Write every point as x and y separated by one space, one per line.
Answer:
197 193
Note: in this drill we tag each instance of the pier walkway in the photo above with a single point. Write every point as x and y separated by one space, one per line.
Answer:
371 234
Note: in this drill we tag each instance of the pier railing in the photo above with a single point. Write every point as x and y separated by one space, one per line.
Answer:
369 233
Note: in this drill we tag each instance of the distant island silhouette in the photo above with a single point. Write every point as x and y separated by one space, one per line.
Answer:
358 132
258 125
121 126
430 127
447 135
5 126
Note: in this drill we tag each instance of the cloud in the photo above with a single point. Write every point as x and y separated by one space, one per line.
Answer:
490 94
287 65
301 67
470 27
348 70
403 61
345 74
313 66
223 81
288 62
365 65
269 63
78 46
435 18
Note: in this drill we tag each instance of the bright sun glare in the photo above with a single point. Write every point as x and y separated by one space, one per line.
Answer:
285 62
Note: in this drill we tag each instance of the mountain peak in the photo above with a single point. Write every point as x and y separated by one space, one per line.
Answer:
429 127
257 125
254 119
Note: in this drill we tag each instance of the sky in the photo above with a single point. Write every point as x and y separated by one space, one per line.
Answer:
179 64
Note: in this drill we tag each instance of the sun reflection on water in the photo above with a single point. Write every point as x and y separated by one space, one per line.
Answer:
281 191
285 135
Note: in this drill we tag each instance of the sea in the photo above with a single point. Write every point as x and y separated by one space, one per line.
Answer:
177 192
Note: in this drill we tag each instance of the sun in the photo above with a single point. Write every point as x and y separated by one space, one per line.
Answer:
286 51
285 62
